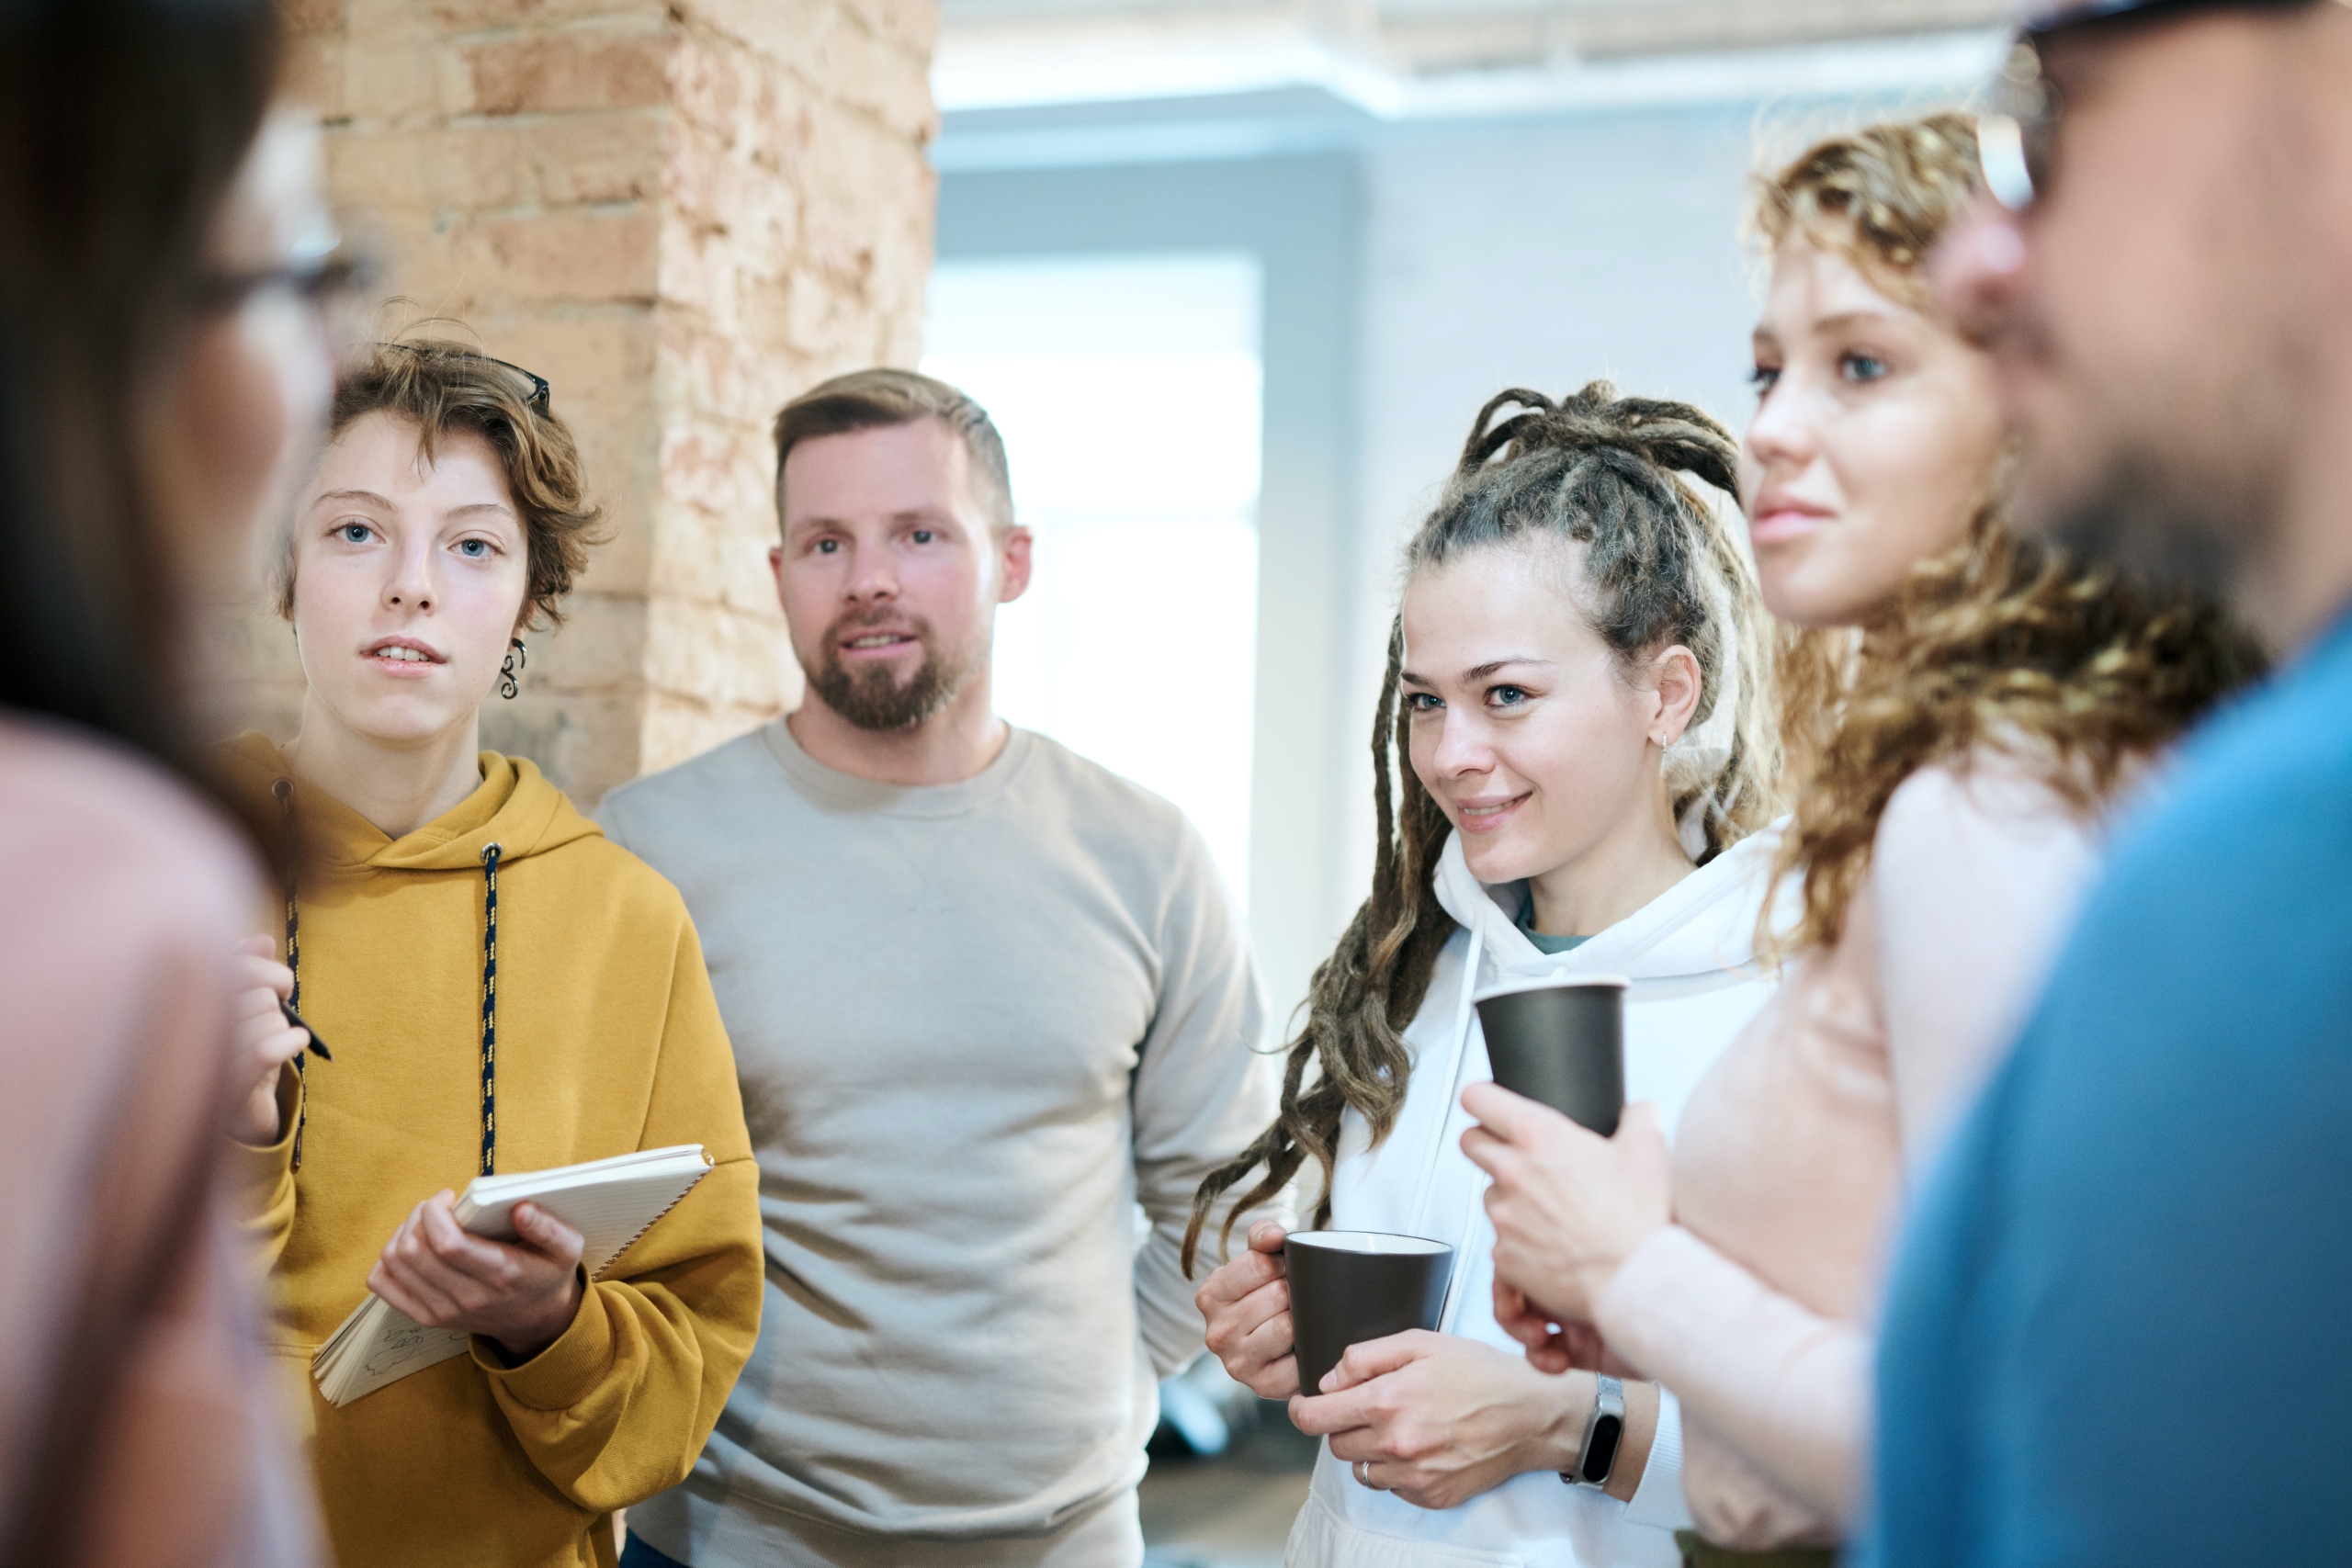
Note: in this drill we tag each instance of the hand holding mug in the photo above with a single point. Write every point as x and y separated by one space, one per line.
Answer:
1438 1419
1247 1305
1568 1206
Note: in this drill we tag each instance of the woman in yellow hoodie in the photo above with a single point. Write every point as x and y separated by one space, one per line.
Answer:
501 987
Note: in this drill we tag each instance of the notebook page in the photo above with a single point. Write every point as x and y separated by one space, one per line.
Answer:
608 1215
394 1345
522 1184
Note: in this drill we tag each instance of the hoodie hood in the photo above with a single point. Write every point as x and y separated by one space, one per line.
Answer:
1698 934
514 807
1695 982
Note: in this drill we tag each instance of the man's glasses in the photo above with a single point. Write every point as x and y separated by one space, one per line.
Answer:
323 273
2017 136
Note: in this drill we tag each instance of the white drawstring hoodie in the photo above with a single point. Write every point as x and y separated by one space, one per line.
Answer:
1696 982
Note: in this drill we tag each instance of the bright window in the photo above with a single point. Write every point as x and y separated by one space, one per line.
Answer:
1126 389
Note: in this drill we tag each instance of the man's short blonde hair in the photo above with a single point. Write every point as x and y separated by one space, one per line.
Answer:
880 399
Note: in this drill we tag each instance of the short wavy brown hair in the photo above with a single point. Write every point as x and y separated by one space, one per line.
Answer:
2003 641
439 385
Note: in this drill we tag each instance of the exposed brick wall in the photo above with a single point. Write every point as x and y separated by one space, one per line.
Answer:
680 215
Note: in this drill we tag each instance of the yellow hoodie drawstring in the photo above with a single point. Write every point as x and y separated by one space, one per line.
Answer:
490 1009
283 789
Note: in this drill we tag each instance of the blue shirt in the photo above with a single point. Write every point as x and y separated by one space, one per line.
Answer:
2120 1328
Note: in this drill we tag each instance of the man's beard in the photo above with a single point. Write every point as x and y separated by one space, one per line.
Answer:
2178 480
2169 521
872 698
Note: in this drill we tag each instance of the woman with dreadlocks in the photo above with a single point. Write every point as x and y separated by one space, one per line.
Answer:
1975 704
1583 742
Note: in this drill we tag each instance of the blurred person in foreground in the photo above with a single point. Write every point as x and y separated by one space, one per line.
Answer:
1966 707
506 991
1579 703
164 364
2116 1331
987 996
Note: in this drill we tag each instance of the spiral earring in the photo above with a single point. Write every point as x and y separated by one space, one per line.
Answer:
518 656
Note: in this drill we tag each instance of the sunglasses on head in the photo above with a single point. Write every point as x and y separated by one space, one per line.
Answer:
534 388
2016 136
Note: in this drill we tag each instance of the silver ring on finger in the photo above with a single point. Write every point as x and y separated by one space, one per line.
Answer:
1363 1476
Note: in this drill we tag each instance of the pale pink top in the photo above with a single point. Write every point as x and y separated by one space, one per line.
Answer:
123 1300
1757 1306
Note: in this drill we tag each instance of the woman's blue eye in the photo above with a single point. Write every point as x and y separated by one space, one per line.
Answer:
1862 366
924 536
1422 702
474 550
1764 378
353 533
1506 696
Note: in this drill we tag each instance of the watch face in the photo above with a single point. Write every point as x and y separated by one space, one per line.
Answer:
1601 1454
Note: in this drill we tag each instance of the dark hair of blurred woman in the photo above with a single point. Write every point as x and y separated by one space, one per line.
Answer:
163 366
123 125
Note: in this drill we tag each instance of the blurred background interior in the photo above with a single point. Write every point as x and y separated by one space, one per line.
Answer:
1234 275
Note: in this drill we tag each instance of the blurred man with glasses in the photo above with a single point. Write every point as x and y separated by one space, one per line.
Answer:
2116 1328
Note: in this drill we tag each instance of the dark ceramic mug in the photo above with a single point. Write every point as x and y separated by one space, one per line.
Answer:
1347 1287
1561 1043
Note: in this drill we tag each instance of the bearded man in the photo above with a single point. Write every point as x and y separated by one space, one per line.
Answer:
986 998
2116 1333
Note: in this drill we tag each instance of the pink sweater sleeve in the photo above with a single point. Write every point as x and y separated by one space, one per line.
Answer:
1976 876
1784 1387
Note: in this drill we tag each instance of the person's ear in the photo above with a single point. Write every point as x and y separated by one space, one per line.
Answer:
1013 563
775 570
1676 678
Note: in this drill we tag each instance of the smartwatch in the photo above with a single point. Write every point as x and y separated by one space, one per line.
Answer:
1603 1429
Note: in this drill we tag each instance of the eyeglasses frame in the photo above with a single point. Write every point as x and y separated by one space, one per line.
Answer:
2025 114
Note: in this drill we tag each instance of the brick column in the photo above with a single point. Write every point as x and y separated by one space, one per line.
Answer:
681 214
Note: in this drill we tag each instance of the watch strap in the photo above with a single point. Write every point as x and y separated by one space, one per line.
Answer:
1604 1430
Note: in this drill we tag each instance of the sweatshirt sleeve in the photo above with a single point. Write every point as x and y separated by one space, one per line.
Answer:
618 1408
260 1179
1203 1091
1785 1386
1658 1501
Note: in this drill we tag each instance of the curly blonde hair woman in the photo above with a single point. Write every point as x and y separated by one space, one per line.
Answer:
1963 707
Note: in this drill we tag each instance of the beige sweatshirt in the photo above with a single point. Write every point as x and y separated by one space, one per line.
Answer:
1754 1308
976 1025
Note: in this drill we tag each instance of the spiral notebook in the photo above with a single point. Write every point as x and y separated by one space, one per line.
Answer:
610 1202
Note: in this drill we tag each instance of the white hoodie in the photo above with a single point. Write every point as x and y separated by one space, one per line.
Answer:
1696 982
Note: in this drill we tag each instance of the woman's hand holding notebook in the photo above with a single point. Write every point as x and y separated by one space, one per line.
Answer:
610 1202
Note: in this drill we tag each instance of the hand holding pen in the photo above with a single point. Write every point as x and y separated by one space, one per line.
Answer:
268 1034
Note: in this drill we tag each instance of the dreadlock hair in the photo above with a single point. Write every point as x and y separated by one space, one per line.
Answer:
2003 641
1658 567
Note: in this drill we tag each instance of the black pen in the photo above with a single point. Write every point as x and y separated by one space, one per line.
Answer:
317 1045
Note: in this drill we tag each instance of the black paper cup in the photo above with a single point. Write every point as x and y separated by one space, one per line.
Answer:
1562 1043
1350 1286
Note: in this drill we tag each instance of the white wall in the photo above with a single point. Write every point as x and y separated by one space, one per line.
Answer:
1414 269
